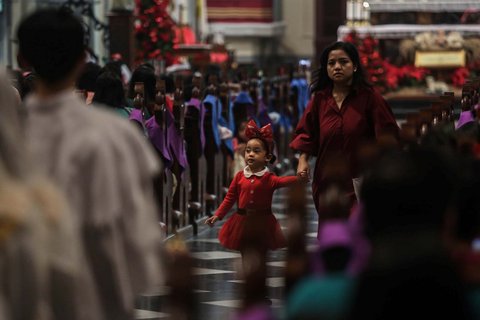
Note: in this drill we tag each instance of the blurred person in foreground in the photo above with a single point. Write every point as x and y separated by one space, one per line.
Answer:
42 273
101 162
407 198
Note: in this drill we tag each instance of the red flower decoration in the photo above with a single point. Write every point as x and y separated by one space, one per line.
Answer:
380 72
459 76
153 30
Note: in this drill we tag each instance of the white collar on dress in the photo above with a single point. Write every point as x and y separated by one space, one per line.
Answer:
247 172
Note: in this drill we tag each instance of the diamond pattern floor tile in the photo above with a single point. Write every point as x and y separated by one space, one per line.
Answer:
213 255
150 315
204 271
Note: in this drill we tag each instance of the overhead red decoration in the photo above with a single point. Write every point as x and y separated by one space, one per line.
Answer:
154 31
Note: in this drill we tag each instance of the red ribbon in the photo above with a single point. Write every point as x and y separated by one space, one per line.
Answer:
265 132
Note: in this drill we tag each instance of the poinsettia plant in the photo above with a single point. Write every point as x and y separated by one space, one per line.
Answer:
154 31
380 72
460 76
388 77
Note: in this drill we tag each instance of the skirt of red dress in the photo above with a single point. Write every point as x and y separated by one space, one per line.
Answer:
232 231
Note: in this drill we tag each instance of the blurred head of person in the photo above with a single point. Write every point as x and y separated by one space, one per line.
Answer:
146 74
408 191
339 63
88 77
51 41
109 90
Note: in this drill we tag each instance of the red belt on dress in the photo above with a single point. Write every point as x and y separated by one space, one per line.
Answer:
243 211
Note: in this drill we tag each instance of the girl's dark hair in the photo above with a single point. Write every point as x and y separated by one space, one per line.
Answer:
109 90
115 67
320 78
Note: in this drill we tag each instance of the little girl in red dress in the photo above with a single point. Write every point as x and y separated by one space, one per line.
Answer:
252 189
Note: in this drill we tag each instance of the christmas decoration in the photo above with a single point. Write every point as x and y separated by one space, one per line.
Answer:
388 77
380 72
460 76
154 31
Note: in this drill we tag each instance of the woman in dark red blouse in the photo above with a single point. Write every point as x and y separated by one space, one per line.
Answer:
344 111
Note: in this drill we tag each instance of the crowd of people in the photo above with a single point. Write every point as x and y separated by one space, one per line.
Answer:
399 220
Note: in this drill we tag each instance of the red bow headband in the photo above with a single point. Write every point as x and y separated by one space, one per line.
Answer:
264 133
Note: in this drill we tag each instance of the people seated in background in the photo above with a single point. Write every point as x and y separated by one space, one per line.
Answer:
87 79
109 92
144 74
115 68
125 73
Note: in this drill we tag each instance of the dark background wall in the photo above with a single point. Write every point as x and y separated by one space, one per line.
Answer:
329 15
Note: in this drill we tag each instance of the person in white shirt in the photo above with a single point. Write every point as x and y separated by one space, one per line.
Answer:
103 165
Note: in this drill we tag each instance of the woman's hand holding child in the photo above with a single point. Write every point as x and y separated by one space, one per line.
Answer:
303 176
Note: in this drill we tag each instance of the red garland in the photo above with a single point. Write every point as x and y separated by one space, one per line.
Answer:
154 31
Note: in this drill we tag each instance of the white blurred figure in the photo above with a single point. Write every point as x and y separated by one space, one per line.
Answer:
41 264
101 162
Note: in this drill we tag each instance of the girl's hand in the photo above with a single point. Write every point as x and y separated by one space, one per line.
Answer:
210 221
303 176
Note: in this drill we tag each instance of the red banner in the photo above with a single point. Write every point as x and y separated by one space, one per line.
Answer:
240 11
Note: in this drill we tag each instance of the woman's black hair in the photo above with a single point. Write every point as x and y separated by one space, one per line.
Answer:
88 77
320 78
109 90
115 67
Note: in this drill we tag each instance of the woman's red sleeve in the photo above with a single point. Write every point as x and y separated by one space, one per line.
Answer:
383 118
308 130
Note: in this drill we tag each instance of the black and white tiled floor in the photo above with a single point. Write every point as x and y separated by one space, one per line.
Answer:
217 282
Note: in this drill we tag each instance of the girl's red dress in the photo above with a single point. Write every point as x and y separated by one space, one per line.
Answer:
252 192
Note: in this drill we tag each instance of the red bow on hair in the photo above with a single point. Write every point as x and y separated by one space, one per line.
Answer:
265 133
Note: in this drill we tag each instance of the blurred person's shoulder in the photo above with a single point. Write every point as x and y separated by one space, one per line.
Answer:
123 138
